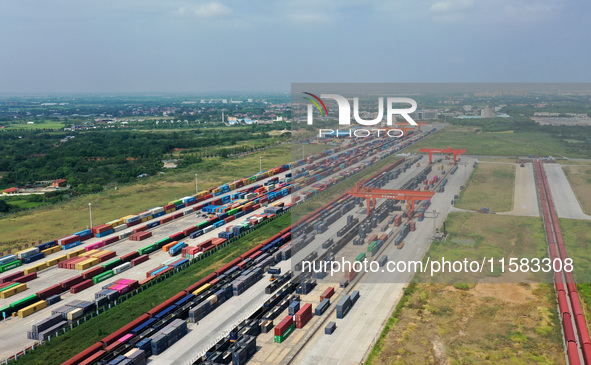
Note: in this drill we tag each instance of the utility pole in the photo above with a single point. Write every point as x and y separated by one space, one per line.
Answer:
196 184
90 212
261 163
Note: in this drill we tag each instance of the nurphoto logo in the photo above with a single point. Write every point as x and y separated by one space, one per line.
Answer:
344 117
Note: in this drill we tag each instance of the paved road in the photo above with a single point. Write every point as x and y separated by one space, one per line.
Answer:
525 199
567 205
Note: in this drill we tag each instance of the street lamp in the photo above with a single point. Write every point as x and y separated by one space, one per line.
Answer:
261 163
90 212
196 185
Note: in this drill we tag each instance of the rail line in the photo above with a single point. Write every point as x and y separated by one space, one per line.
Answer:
577 343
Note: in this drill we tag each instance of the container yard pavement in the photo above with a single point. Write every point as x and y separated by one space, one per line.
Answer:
355 333
223 319
567 205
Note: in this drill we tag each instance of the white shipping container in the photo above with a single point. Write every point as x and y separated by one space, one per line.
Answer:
122 267
75 314
27 253
132 219
157 210
120 228
208 229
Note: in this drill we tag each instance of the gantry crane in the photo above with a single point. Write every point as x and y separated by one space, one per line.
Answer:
455 152
371 194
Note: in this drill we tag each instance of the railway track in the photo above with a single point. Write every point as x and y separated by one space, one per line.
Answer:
576 333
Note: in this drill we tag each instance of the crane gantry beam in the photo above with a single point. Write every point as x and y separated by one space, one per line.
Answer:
371 194
456 152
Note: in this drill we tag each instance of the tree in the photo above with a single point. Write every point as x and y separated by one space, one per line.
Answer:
4 206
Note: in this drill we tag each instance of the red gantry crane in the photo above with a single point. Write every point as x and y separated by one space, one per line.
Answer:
371 194
455 152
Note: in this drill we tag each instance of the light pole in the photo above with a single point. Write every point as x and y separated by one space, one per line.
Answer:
90 212
434 219
260 163
303 153
196 185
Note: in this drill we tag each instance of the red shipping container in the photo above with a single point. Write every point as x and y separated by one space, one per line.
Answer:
164 271
25 278
169 206
218 241
229 219
134 223
130 256
146 280
68 240
283 325
83 285
67 284
149 273
178 215
102 228
190 230
51 291
191 203
107 256
89 274
328 293
303 316
84 238
4 285
139 260
165 220
140 229
14 275
110 240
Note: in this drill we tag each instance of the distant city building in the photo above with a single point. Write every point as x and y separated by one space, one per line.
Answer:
488 112
467 108
424 115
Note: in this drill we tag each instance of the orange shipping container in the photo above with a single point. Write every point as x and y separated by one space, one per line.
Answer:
168 246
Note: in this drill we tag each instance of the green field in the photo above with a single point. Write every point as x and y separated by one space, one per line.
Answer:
476 236
494 144
497 320
21 203
490 185
51 222
579 178
38 125
88 333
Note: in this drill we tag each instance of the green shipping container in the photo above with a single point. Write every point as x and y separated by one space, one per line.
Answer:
162 242
25 302
202 224
233 211
10 265
361 257
111 264
285 334
372 247
147 249
177 202
102 277
6 311
10 286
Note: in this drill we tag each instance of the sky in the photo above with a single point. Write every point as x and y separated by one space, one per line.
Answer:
65 46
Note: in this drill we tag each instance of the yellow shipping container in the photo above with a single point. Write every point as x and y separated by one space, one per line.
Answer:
88 253
27 311
232 186
12 291
169 210
218 190
101 253
146 219
83 265
36 268
52 250
75 253
245 181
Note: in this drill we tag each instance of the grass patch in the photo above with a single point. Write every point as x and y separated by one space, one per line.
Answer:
494 236
490 185
38 125
579 178
88 333
23 203
62 219
436 324
477 142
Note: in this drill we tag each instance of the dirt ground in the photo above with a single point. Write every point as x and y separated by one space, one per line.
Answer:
476 324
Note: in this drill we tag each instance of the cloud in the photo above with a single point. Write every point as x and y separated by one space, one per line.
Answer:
450 10
207 10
